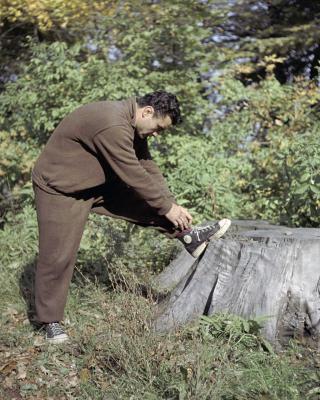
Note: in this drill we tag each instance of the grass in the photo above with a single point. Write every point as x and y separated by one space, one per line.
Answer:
114 353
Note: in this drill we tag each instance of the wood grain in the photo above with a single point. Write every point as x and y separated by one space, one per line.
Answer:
258 269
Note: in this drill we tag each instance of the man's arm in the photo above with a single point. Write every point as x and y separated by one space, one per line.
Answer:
145 159
178 215
116 145
151 167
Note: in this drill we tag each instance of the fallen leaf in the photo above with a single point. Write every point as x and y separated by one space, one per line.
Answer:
73 381
10 311
84 375
44 370
22 371
39 341
7 368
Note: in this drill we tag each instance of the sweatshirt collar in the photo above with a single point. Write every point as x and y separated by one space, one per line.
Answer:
133 110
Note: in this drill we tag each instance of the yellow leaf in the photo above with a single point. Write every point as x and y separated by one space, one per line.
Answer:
84 375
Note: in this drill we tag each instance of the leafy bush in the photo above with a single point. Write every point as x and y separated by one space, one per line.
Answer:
240 158
272 130
202 175
18 239
52 15
242 332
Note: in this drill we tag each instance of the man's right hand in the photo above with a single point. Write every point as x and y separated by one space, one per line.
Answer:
179 216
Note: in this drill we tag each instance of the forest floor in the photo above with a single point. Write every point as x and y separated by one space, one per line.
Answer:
114 354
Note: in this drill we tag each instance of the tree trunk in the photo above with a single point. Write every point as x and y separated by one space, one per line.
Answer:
257 269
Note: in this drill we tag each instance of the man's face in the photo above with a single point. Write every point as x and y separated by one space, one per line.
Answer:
147 124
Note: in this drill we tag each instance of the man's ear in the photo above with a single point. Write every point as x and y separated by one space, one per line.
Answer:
147 112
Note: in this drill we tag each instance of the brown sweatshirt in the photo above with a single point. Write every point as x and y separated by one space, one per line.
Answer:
93 144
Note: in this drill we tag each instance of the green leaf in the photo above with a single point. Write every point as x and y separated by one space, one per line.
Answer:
266 345
246 326
315 189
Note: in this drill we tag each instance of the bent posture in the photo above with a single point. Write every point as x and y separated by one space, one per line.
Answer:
97 160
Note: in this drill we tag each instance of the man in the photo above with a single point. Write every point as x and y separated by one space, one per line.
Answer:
97 159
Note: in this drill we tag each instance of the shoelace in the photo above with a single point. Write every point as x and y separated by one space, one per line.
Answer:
201 229
56 329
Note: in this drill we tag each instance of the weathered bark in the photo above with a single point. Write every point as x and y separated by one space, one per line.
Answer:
258 269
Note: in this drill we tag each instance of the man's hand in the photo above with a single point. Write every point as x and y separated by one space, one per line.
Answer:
179 216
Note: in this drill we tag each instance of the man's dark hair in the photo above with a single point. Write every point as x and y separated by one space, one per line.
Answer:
164 103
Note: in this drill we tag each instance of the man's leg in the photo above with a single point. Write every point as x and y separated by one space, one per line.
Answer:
120 201
61 221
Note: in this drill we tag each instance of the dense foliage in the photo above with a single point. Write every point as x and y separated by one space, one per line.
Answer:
53 15
246 148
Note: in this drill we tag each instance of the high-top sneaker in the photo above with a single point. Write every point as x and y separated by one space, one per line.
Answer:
55 333
195 240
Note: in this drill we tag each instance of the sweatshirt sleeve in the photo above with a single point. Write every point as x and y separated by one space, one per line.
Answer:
151 167
116 145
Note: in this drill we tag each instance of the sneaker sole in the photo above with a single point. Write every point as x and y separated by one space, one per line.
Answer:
58 339
225 226
199 250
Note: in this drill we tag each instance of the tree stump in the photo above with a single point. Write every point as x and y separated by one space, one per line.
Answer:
256 270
